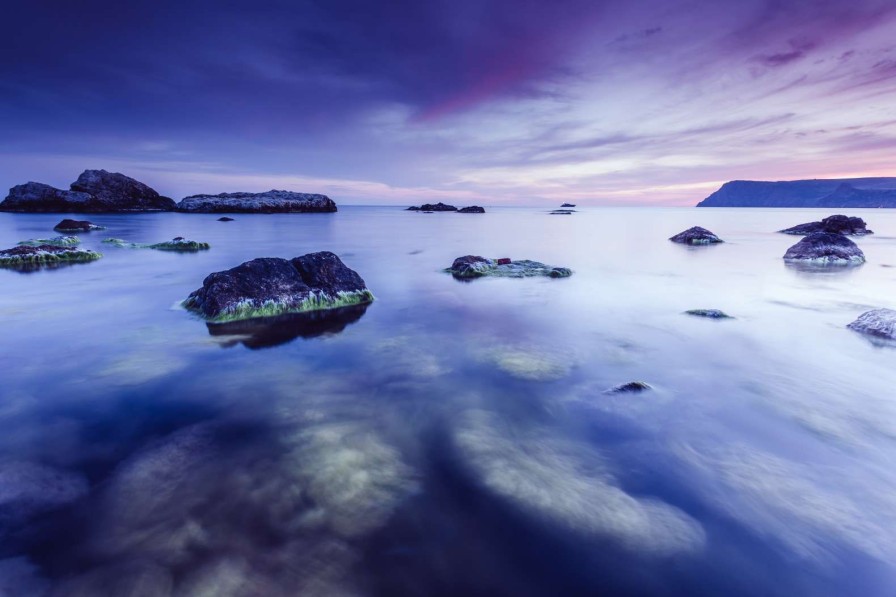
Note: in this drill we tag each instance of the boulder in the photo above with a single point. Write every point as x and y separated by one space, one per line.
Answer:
880 323
76 226
708 313
94 191
838 224
474 266
269 202
429 207
696 236
28 257
272 286
825 248
473 209
632 387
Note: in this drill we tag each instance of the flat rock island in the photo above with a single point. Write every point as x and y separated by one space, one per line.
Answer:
268 202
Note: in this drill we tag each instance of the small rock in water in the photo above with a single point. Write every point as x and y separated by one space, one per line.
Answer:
838 224
825 248
76 226
178 243
473 209
696 236
880 323
632 387
225 219
709 313
568 205
474 266
429 208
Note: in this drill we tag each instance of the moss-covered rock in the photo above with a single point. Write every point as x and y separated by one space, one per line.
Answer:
56 241
27 256
473 266
176 244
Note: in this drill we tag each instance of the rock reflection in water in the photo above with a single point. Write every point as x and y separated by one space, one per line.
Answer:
272 331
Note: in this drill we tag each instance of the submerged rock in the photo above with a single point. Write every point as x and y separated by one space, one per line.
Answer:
26 256
56 241
272 286
429 207
272 201
94 191
473 266
273 331
473 209
838 224
632 387
880 323
825 248
76 226
179 243
696 236
708 313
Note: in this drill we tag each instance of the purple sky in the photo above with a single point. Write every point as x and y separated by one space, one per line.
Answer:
465 101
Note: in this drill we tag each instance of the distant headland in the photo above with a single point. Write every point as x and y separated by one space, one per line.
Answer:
843 192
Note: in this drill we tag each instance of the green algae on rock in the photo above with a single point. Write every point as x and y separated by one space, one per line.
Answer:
269 287
30 256
473 266
176 244
56 241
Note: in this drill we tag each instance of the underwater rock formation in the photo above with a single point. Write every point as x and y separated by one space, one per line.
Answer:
825 248
269 202
272 286
473 266
68 225
696 236
837 224
880 323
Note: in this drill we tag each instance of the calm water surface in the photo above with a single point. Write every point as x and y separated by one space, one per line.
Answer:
453 438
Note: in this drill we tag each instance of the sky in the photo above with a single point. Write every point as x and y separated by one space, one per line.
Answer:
489 102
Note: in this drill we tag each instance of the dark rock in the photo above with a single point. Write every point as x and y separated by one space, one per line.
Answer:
273 331
429 207
474 266
632 387
879 323
504 261
413 208
76 226
268 202
696 236
838 224
825 248
473 209
568 205
225 219
708 313
34 197
850 192
272 286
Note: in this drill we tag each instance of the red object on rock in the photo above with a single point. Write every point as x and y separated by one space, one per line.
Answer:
504 261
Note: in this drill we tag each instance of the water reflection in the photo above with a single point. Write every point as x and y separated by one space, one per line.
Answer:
273 331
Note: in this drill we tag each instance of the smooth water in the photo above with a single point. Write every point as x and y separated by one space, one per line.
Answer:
452 438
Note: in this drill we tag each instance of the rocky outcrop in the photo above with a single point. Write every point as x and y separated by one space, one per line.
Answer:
269 202
696 236
28 257
473 209
433 207
76 226
473 266
838 224
178 243
825 248
879 323
847 192
95 191
708 313
272 286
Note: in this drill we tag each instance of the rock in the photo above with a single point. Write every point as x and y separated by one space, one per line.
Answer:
28 257
880 323
473 209
429 207
225 219
474 266
838 224
94 191
632 387
505 261
176 244
272 286
708 313
696 236
825 248
76 226
57 241
269 202
568 205
117 192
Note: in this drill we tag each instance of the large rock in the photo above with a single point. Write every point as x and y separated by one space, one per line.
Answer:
272 286
847 192
825 248
94 191
880 323
696 236
474 266
838 224
267 203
